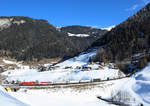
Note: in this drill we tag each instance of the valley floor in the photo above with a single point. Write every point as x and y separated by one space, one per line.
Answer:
133 91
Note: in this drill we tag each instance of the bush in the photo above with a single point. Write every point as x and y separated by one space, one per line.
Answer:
122 96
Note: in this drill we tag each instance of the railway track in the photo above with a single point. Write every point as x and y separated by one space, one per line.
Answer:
58 85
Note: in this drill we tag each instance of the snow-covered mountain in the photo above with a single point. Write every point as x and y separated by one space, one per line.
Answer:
29 39
83 31
109 28
79 80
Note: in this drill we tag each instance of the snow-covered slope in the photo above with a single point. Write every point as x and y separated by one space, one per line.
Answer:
142 85
7 22
134 90
109 28
80 60
62 74
7 100
78 35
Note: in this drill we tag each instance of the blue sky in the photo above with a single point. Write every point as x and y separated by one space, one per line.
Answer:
96 13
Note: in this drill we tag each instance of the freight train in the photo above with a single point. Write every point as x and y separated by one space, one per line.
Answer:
37 83
53 83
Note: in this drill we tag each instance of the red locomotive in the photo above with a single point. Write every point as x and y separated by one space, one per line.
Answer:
128 75
35 83
28 83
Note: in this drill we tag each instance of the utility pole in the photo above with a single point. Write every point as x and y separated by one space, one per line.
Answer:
0 79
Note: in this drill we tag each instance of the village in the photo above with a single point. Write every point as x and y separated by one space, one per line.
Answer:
14 85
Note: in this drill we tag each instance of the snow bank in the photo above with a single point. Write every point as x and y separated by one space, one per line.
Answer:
7 100
136 88
142 85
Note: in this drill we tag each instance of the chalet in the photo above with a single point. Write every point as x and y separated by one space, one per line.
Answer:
100 68
86 68
53 67
11 68
112 65
78 67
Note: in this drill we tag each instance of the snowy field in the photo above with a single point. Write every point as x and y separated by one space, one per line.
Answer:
80 96
60 97
66 96
133 91
24 73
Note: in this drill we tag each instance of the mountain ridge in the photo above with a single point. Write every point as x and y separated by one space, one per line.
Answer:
127 39
28 39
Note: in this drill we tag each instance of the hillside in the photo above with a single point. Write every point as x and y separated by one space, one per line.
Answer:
127 41
11 101
76 29
28 39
